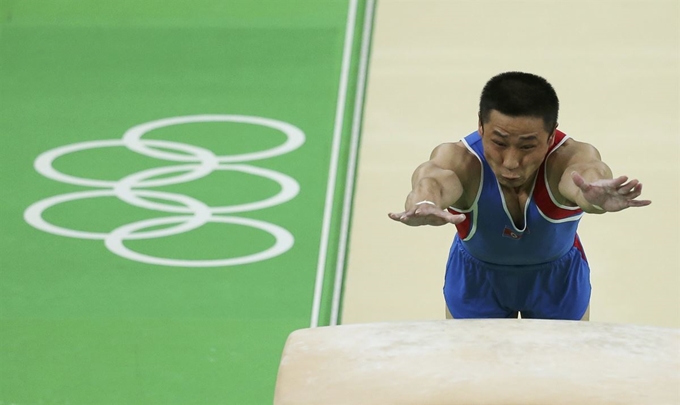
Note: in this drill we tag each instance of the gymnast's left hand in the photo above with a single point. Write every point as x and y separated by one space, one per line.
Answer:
610 195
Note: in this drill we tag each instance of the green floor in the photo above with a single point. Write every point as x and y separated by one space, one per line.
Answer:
81 325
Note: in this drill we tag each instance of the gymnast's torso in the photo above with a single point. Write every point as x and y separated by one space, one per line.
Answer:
502 228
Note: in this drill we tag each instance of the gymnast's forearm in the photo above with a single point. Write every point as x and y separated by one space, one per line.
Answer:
441 188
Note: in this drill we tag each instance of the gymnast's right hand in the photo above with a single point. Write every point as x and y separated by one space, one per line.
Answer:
426 214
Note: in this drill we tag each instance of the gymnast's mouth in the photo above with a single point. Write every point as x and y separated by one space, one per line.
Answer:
510 180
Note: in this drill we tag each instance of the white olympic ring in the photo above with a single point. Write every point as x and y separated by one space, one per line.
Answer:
33 214
44 163
289 189
295 136
199 163
114 242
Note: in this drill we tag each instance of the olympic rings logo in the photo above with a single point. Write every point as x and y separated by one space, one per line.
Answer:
193 163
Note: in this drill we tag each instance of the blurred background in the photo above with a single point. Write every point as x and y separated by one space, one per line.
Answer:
614 65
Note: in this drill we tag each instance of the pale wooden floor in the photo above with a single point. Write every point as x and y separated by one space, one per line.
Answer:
615 67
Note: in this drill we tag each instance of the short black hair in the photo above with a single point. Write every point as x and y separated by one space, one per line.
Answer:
520 94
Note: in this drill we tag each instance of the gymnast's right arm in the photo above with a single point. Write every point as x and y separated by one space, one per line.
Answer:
435 186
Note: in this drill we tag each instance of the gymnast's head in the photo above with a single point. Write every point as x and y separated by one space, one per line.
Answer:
517 122
519 94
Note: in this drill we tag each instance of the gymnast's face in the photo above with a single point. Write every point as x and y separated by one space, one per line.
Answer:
514 147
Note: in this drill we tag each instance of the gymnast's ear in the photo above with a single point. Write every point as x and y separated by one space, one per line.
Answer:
480 124
551 135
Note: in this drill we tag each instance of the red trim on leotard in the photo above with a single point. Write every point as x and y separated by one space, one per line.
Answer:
464 227
579 246
541 194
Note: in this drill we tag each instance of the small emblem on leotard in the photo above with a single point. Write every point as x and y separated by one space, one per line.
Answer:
509 233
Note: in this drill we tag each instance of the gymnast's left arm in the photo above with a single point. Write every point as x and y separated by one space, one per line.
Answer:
588 182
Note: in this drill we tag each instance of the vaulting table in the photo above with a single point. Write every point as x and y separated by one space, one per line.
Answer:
500 361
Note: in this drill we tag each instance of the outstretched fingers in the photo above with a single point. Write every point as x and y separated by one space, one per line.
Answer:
441 217
456 218
426 216
635 193
397 216
639 203
619 181
629 187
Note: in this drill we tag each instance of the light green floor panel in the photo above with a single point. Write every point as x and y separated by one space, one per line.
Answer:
80 325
